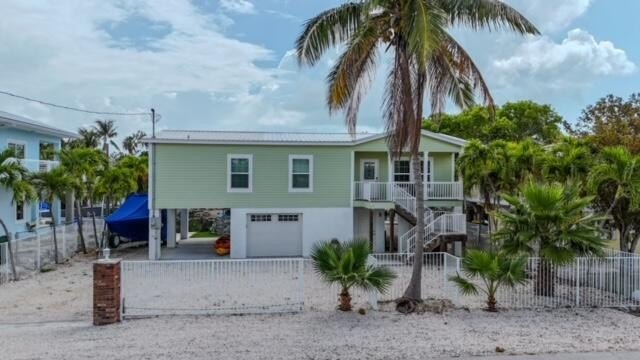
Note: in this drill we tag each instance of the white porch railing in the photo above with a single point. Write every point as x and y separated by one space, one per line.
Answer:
387 191
440 224
37 165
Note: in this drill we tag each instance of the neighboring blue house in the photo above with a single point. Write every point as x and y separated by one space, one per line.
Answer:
35 145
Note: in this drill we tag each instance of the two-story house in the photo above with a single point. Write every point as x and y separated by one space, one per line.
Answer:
35 145
287 191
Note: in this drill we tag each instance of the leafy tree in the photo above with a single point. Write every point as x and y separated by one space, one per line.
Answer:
569 160
139 167
346 265
132 143
89 138
514 121
13 178
426 60
615 180
106 130
611 121
485 169
83 165
549 221
115 183
51 185
495 269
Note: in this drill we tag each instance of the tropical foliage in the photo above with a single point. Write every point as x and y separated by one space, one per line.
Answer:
346 265
549 221
513 121
494 269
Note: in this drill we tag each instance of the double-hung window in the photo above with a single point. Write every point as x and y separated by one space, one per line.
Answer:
18 148
402 171
240 173
300 173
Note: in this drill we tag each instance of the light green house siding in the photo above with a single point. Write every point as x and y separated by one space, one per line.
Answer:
442 166
194 176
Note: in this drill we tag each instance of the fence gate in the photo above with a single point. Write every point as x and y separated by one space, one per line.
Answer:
212 286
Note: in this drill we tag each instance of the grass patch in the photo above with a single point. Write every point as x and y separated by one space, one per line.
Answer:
203 234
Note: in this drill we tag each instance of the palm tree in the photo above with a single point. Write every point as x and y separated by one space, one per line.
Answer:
13 179
139 166
89 138
83 165
615 180
131 143
51 185
495 269
568 161
106 130
487 170
346 265
427 60
550 221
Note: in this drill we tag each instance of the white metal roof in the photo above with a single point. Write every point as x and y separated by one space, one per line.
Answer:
24 123
278 138
259 137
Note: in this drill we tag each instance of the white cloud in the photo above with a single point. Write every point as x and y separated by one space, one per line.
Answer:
239 6
63 53
577 58
551 15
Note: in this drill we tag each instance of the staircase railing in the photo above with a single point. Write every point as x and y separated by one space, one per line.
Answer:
442 224
404 199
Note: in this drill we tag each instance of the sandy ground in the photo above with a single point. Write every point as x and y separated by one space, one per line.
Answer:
48 317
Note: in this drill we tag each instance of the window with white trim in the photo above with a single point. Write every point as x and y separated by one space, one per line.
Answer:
240 170
300 173
288 217
18 149
402 171
261 217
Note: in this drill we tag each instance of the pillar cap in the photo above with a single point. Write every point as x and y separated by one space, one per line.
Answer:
107 261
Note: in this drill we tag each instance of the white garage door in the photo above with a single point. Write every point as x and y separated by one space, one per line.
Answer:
274 235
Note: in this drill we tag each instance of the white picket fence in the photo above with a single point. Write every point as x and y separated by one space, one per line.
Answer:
34 250
291 285
212 286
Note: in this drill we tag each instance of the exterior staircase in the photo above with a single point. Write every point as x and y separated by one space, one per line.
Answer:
437 223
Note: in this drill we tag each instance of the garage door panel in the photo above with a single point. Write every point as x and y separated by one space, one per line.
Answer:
274 235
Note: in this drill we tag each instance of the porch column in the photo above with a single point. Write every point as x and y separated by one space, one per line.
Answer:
378 231
171 228
155 224
184 224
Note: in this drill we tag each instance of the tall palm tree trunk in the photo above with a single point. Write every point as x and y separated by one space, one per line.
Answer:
546 278
55 241
83 246
10 251
414 290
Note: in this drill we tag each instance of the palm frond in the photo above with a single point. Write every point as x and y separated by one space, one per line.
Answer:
486 14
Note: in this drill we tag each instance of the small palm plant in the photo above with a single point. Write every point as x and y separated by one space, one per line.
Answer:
495 269
346 265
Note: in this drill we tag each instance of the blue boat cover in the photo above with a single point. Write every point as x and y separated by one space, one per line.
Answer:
131 220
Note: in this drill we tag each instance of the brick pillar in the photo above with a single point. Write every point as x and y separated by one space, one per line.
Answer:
106 292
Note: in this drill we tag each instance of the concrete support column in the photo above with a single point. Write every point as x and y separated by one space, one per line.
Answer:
184 224
378 231
155 225
171 228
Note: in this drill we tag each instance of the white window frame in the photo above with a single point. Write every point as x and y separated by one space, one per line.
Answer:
240 156
24 212
303 157
429 168
19 142
376 175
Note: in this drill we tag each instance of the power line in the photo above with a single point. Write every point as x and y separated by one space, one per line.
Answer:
73 108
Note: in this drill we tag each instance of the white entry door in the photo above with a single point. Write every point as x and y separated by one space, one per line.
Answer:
369 177
274 235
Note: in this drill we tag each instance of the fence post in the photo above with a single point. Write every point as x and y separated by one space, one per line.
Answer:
301 280
107 291
373 295
577 282
444 271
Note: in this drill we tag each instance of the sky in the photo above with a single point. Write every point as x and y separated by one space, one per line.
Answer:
229 64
